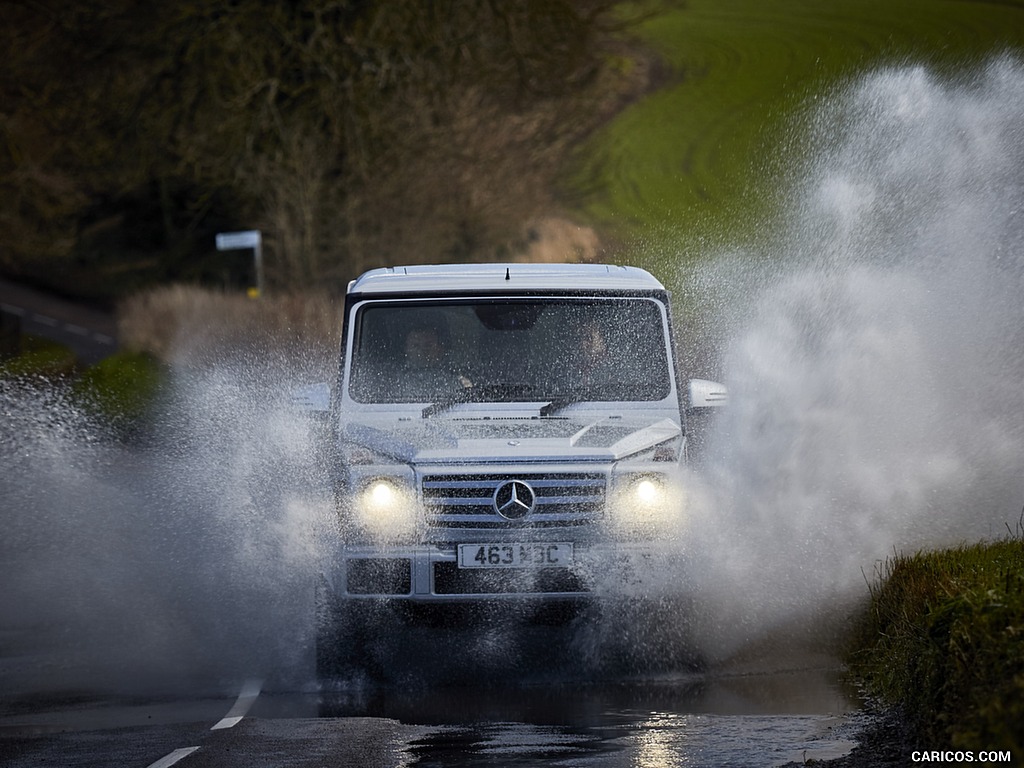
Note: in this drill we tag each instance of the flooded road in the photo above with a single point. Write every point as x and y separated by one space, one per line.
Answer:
714 719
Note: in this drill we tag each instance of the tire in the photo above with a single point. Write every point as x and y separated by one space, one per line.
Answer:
640 637
351 638
329 635
342 632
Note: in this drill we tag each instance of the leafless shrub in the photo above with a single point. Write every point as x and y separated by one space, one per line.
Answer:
186 325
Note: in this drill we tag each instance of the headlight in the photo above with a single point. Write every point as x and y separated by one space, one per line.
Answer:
649 493
648 503
386 508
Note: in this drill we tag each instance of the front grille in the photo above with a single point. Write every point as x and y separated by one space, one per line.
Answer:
467 501
449 579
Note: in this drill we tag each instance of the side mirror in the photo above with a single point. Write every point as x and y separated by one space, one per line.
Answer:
706 394
313 399
705 401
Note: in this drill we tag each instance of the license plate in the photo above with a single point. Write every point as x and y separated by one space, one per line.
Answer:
514 555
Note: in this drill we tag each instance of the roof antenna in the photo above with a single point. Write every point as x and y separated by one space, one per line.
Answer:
507 276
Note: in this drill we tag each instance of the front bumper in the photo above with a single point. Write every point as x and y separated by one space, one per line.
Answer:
431 574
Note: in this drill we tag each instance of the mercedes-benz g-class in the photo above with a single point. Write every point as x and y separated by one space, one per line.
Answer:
508 435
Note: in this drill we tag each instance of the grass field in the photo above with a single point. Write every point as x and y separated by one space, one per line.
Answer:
705 158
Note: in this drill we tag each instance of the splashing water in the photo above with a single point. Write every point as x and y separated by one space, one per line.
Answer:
876 373
183 564
876 368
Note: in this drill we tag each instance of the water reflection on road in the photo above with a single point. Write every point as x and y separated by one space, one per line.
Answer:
716 719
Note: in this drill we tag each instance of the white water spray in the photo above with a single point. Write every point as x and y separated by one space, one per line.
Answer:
876 374
184 563
876 368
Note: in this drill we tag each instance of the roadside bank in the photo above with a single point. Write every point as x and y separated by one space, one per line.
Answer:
939 648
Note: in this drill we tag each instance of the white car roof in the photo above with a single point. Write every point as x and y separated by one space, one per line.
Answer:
503 278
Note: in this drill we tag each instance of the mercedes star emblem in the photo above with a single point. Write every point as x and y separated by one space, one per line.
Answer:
514 499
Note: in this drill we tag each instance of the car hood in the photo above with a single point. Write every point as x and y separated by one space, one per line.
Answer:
607 438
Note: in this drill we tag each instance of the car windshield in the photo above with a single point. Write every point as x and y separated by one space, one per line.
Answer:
510 350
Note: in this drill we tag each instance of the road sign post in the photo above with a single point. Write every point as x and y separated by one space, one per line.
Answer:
234 241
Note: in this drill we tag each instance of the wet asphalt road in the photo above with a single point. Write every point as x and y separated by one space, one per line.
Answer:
739 718
90 333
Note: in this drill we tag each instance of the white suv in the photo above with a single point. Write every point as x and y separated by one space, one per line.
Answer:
505 435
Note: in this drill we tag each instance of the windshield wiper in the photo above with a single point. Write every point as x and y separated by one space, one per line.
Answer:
463 396
559 402
480 393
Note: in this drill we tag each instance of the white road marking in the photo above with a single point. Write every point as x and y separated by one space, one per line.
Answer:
242 704
250 691
51 322
168 760
78 330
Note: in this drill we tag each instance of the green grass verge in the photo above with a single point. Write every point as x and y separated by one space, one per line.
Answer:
40 359
705 159
943 639
121 390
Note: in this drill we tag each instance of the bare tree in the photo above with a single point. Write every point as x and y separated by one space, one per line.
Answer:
351 133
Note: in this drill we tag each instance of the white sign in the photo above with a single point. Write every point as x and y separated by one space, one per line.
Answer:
231 241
